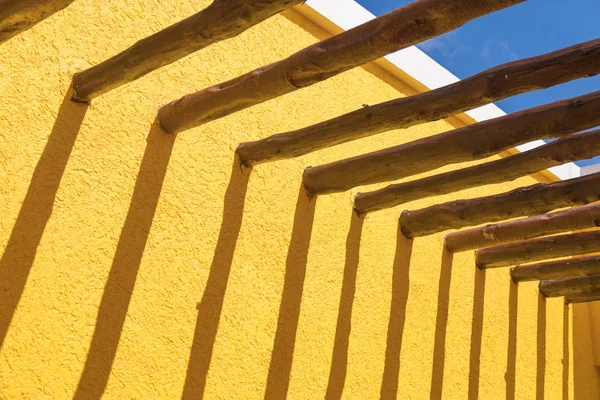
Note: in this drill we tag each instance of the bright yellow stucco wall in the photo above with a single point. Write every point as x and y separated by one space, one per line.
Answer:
142 266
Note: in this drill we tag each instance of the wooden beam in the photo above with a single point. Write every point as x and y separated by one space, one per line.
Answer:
570 286
545 248
408 25
521 202
223 19
571 148
17 16
571 219
582 266
472 142
506 80
583 298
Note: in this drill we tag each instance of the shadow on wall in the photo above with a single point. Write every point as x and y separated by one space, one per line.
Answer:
128 256
400 289
566 360
20 251
586 377
209 308
476 333
511 357
441 325
339 360
289 311
439 350
19 255
541 347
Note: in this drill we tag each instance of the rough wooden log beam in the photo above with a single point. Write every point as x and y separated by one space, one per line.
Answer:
223 19
583 266
17 16
583 298
469 143
571 148
571 219
545 248
570 286
408 25
521 202
506 80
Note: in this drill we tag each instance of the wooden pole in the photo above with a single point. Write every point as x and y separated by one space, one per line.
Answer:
408 25
521 202
571 148
223 19
583 298
506 80
538 249
570 286
571 219
17 16
583 266
472 142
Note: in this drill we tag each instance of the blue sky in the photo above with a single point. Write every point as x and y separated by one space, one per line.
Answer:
527 29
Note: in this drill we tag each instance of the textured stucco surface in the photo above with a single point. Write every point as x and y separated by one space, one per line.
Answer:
260 262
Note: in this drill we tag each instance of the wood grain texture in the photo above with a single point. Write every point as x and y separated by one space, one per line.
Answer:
406 26
571 219
472 142
17 16
583 298
526 201
574 286
538 249
582 266
223 19
571 148
582 60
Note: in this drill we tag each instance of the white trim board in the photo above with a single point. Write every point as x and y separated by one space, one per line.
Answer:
348 13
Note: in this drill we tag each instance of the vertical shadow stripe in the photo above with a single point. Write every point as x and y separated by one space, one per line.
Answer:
339 360
126 263
400 291
476 333
211 305
278 379
441 325
20 251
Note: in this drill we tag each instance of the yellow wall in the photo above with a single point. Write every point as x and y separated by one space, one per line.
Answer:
143 266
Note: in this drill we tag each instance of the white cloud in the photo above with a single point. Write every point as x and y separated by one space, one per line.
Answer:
448 45
498 47
485 52
437 43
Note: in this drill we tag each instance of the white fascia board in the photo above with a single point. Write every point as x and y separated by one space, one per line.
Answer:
348 14
590 169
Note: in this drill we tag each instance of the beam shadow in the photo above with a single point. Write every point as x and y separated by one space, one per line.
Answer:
565 360
211 305
400 291
339 361
126 263
541 348
511 358
441 325
20 251
278 379
476 333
